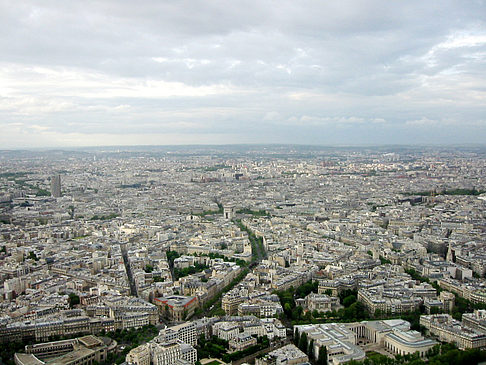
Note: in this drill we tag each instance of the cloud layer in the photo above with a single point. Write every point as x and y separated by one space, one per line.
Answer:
172 72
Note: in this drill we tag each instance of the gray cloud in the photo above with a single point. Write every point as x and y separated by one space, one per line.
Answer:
116 72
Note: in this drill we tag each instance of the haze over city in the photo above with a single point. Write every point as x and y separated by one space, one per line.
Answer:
97 73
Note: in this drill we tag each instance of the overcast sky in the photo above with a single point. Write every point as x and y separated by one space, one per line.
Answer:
82 73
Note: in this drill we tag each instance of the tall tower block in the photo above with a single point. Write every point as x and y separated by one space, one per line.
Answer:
56 186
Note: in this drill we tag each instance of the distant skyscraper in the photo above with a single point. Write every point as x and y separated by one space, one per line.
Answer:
56 186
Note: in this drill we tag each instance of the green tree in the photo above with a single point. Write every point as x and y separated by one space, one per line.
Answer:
297 312
384 260
322 357
303 342
350 299
71 211
310 350
346 293
435 310
73 300
287 308
296 337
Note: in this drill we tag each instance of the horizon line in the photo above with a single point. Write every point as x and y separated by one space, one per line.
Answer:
358 145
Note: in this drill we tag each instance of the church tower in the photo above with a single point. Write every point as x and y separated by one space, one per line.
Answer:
450 254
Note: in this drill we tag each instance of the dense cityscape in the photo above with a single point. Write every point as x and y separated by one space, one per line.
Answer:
250 182
265 255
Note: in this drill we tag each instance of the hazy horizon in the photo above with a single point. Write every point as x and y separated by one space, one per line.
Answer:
352 73
235 146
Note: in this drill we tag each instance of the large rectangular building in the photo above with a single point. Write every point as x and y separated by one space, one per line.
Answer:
448 329
79 351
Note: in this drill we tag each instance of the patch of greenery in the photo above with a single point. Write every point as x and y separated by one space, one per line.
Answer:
104 217
353 310
5 220
416 276
214 347
258 252
171 256
43 221
216 300
215 255
287 300
180 273
215 167
384 260
33 256
42 192
134 186
472 191
256 213
457 191
14 174
8 350
73 300
131 338
262 343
